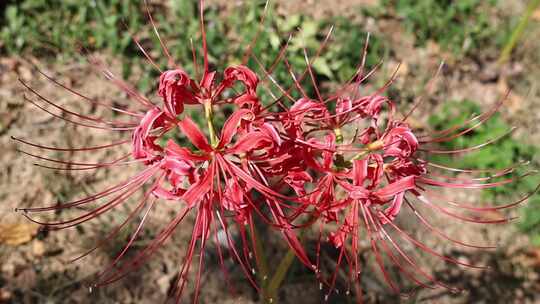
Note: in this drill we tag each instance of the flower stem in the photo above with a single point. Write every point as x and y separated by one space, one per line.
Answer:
339 136
281 271
262 263
209 115
279 276
374 146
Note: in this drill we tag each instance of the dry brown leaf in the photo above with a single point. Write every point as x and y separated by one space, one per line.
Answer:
17 233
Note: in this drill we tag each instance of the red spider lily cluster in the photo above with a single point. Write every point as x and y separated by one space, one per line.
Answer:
345 165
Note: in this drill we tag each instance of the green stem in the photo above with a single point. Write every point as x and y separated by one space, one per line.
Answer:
339 136
360 155
281 272
279 276
374 146
209 115
262 263
518 32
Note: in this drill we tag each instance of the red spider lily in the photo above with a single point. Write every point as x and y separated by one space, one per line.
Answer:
353 184
223 176
364 182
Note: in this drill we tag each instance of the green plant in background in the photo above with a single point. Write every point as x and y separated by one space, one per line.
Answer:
500 154
337 62
52 28
458 26
517 32
59 28
55 27
343 60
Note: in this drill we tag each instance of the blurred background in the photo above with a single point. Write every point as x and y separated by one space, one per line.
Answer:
486 47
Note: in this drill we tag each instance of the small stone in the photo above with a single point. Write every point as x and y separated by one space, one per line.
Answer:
5 295
8 269
520 294
25 73
163 284
38 248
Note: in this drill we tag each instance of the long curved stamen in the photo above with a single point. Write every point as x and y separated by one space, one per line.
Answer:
84 97
70 149
76 122
156 32
204 42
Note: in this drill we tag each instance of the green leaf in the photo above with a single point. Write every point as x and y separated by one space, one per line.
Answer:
321 66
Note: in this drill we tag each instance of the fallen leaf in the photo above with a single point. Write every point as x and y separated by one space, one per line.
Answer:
17 233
